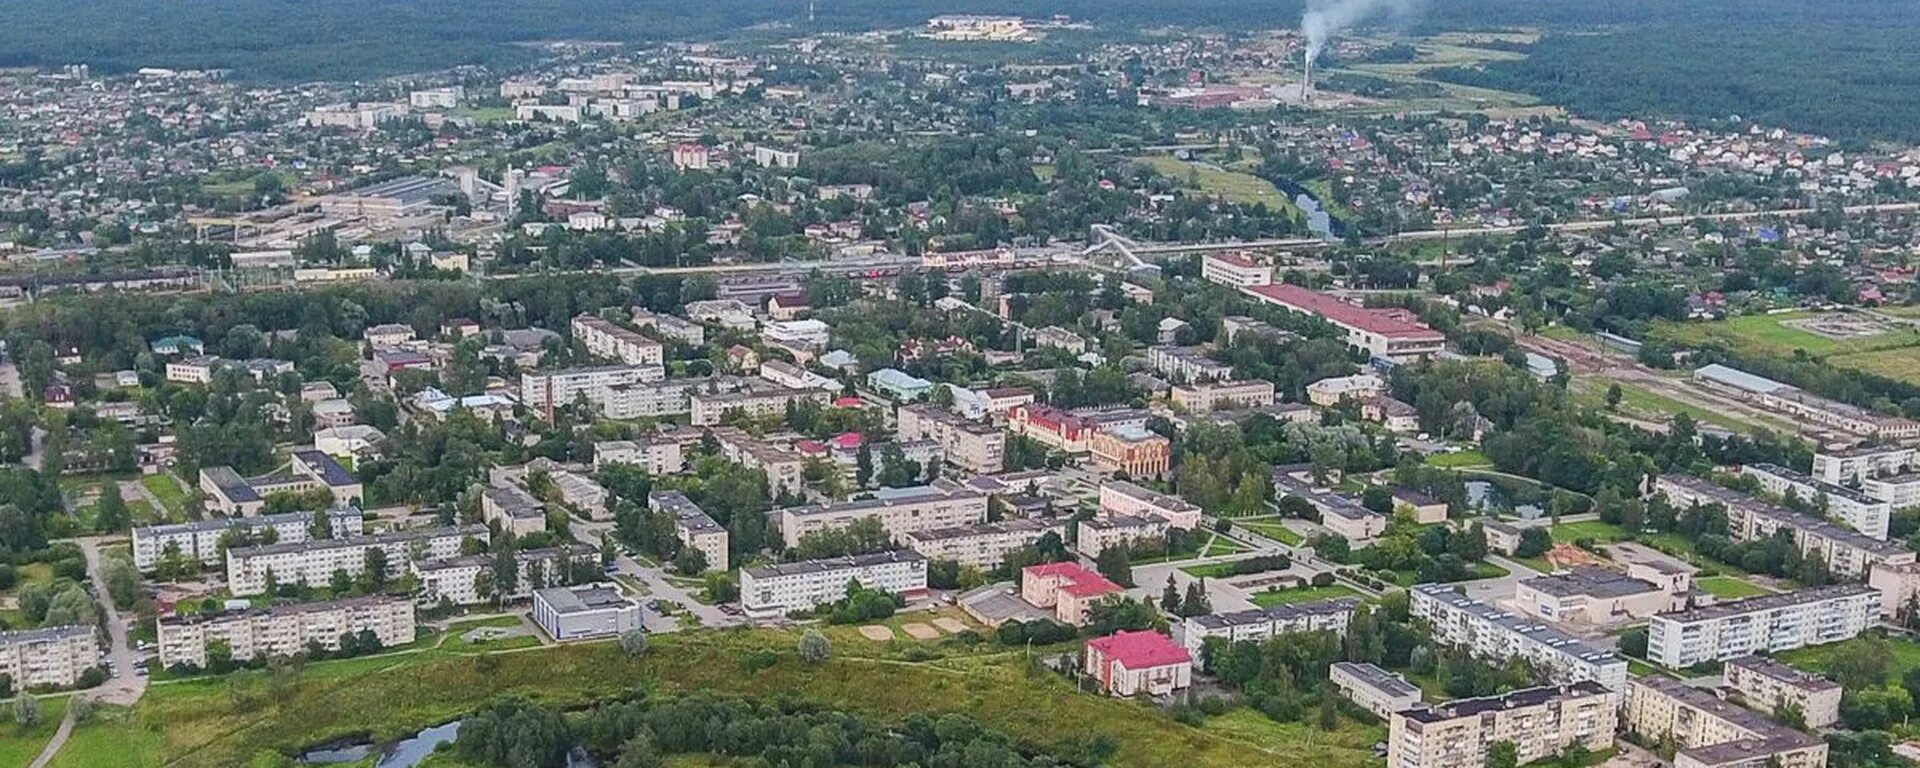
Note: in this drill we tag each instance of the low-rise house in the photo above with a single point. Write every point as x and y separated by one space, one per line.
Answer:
1068 588
1374 689
1133 663
584 611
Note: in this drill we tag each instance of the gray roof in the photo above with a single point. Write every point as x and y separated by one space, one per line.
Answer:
1734 377
231 484
1811 525
1381 681
1591 582
683 509
830 564
1774 670
1282 613
1769 602
584 598
1524 627
329 470
411 534
43 634
1527 697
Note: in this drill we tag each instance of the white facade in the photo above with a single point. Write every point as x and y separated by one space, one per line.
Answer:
284 631
1769 623
200 540
585 611
313 563
1857 510
605 339
1855 465
982 545
707 409
1258 624
1491 633
899 514
1235 270
657 457
54 656
775 590
558 388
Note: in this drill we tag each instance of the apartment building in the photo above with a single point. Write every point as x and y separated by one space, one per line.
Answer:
1223 395
792 376
676 328
1119 497
603 338
1235 270
1857 510
655 457
1769 686
981 545
199 540
1258 624
1136 451
1098 534
1330 392
693 527
285 630
1768 623
51 656
1374 689
1070 589
1539 722
1711 733
457 579
775 590
1850 466
900 512
1899 586
313 562
1383 334
1491 633
708 408
584 611
513 509
1133 663
785 468
969 445
1187 364
1898 491
545 391
1847 552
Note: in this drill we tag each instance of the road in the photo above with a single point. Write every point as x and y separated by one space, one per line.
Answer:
656 583
124 687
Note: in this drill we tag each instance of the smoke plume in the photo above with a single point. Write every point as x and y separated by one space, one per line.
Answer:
1326 18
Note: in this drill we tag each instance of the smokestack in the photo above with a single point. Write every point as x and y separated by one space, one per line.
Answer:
1306 81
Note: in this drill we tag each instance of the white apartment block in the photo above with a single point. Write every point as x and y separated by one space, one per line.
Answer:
969 445
1490 633
900 512
1855 465
1539 722
707 409
1206 398
981 545
1258 624
1374 689
1847 552
513 509
1769 623
1235 270
458 579
775 590
792 376
603 338
284 631
676 328
1768 686
1098 534
656 457
785 468
1119 497
1898 491
1187 364
553 389
199 541
313 563
648 401
1857 510
53 656
1712 733
693 526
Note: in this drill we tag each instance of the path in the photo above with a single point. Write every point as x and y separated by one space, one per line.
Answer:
655 581
124 687
59 738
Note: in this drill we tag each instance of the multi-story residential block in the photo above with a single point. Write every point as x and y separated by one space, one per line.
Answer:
199 540
678 329
1374 689
981 545
458 580
1711 733
693 527
1258 624
1118 497
284 631
785 468
1187 364
1068 588
513 509
313 563
584 611
548 390
1235 270
1898 491
1847 552
782 588
707 409
605 339
388 335
1770 686
656 457
1491 633
1383 334
1136 451
1538 722
900 512
51 656
1330 392
1055 337
1855 465
1857 510
1899 586
1222 395
969 445
1098 534
792 376
1130 663
1769 623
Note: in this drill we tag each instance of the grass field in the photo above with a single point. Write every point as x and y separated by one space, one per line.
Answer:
1274 597
1819 658
1638 401
1272 528
1460 459
167 489
1221 545
199 723
18 745
1731 587
1894 353
1235 186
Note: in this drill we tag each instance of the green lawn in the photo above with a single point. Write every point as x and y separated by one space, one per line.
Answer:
1221 545
1731 587
1275 597
1460 459
1272 528
18 746
1234 186
1770 335
167 489
1904 655
1248 725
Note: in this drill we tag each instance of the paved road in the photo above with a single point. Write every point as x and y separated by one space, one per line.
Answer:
656 583
124 687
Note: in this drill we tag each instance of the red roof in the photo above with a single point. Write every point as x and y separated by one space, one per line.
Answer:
849 402
1080 582
850 441
1140 650
1234 259
1340 312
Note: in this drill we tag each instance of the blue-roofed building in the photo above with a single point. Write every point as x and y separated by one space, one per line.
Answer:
898 384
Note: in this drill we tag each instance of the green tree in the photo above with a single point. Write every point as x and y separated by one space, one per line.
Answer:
814 648
1502 754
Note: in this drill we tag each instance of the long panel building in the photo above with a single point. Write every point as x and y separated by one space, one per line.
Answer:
1770 623
285 630
1848 553
1491 633
1857 510
1261 623
53 656
312 563
775 590
900 513
199 540
1712 733
1538 722
1381 334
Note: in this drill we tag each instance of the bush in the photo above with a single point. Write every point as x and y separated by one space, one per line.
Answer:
92 677
1323 579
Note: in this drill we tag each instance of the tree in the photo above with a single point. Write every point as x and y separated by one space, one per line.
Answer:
1329 715
1170 597
1115 564
26 710
1633 642
1196 602
111 514
123 581
1533 542
690 562
1613 396
375 576
634 641
1502 754
814 648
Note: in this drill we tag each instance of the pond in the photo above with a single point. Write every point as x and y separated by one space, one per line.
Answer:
1496 499
408 752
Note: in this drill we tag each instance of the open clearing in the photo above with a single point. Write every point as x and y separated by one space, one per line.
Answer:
1235 186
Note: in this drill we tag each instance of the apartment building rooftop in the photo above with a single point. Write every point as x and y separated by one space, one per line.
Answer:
1526 697
1284 612
1812 525
1768 602
388 537
1801 679
284 609
1526 627
829 564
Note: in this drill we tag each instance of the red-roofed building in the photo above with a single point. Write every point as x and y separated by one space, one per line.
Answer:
1379 333
1129 663
1068 588
1051 427
849 441
849 402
